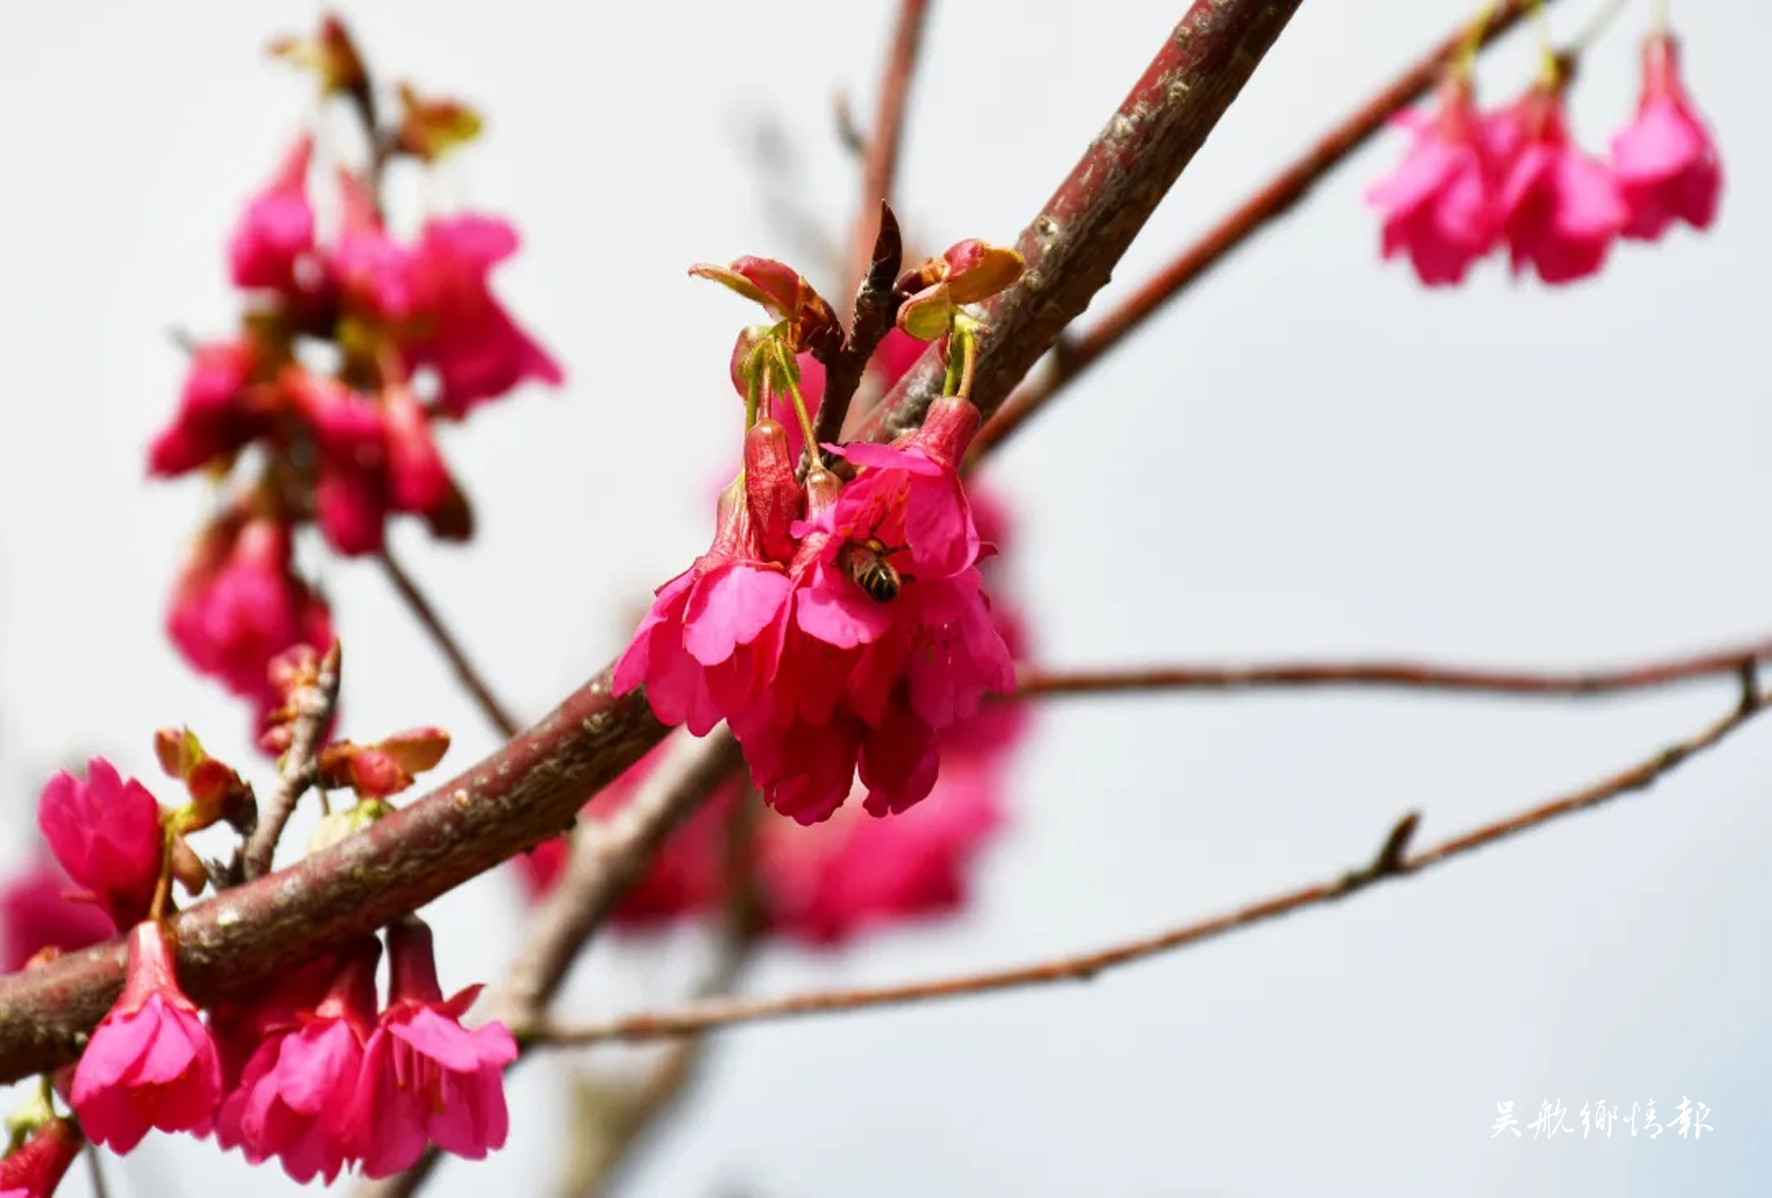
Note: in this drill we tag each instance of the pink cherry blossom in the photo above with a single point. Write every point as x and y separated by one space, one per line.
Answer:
38 912
706 627
371 272
106 833
276 232
297 1086
217 416
425 1078
35 1168
150 1062
1560 207
1441 205
238 604
465 334
1665 161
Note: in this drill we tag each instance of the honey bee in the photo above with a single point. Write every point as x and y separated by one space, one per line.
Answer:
866 565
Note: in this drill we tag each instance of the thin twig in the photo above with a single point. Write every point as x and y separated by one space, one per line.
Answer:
876 307
95 1169
496 713
879 164
299 767
1404 674
1391 862
1272 200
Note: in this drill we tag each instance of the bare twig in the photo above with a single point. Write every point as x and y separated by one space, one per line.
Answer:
95 1170
496 713
299 767
1403 674
876 306
1272 200
879 164
1390 862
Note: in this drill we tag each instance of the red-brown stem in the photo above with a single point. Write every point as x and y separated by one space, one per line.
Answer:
496 713
1072 246
1271 201
1404 674
299 767
879 164
531 788
1390 862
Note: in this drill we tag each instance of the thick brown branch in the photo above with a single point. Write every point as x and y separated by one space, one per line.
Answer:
1272 200
496 713
524 793
1074 243
1390 862
299 767
1401 674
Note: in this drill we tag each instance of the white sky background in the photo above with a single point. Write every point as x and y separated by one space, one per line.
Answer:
1309 456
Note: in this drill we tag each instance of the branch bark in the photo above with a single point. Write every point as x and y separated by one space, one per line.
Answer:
531 788
1403 674
1391 862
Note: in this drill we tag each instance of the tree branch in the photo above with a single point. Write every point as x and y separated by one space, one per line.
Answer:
496 713
1274 199
532 787
1404 674
1073 244
1391 862
298 768
879 164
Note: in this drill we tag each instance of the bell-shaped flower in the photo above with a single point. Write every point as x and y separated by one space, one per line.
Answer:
1665 161
296 1089
150 1062
275 236
36 1167
1441 206
425 1078
1560 207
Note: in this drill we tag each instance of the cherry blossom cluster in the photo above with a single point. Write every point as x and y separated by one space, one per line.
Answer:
827 884
311 1069
1473 181
838 625
355 344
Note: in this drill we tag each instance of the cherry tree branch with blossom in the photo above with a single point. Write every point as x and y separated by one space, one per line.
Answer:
532 787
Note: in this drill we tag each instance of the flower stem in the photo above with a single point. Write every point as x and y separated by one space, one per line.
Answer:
786 364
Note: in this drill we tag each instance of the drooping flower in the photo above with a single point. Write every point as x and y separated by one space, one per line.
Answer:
276 232
890 638
37 912
238 603
425 1078
702 648
1560 207
150 1062
106 833
462 331
217 414
35 1168
1441 206
295 1090
1665 161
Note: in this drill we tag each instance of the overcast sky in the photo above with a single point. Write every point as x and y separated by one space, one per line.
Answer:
1309 456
